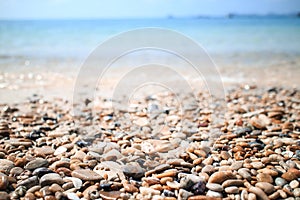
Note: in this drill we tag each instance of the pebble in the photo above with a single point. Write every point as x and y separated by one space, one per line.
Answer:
294 184
76 181
6 165
3 181
245 173
86 175
130 188
189 180
291 174
259 193
280 181
36 163
232 190
4 195
251 196
41 171
209 169
60 150
146 191
262 177
214 194
236 165
203 197
220 177
214 187
72 196
266 187
49 179
183 194
296 192
43 151
30 182
232 182
133 170
199 187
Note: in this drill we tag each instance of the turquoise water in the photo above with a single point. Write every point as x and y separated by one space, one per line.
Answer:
77 38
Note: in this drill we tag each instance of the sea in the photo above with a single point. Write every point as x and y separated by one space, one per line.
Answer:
235 40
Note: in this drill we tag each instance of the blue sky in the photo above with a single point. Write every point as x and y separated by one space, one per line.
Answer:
64 9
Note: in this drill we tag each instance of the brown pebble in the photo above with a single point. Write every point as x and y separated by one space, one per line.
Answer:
268 188
232 182
263 177
220 177
274 196
291 174
165 179
3 181
258 192
232 190
203 197
130 188
169 173
86 175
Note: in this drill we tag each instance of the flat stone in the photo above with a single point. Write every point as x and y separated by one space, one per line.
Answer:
112 155
72 196
60 150
257 165
183 194
232 190
3 181
268 188
86 175
36 163
173 184
6 165
41 171
146 191
259 192
245 173
214 187
93 189
130 188
43 151
214 194
236 165
294 184
55 188
188 180
232 182
280 181
209 169
49 179
220 177
203 197
262 177
296 192
133 170
76 181
291 174
30 182
4 195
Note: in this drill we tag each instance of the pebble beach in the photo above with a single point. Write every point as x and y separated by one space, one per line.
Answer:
152 151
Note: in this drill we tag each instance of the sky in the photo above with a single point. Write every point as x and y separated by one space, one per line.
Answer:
81 9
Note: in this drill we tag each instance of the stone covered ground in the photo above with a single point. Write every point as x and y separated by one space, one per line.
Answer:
153 150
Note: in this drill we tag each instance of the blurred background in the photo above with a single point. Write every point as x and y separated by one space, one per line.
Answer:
44 43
